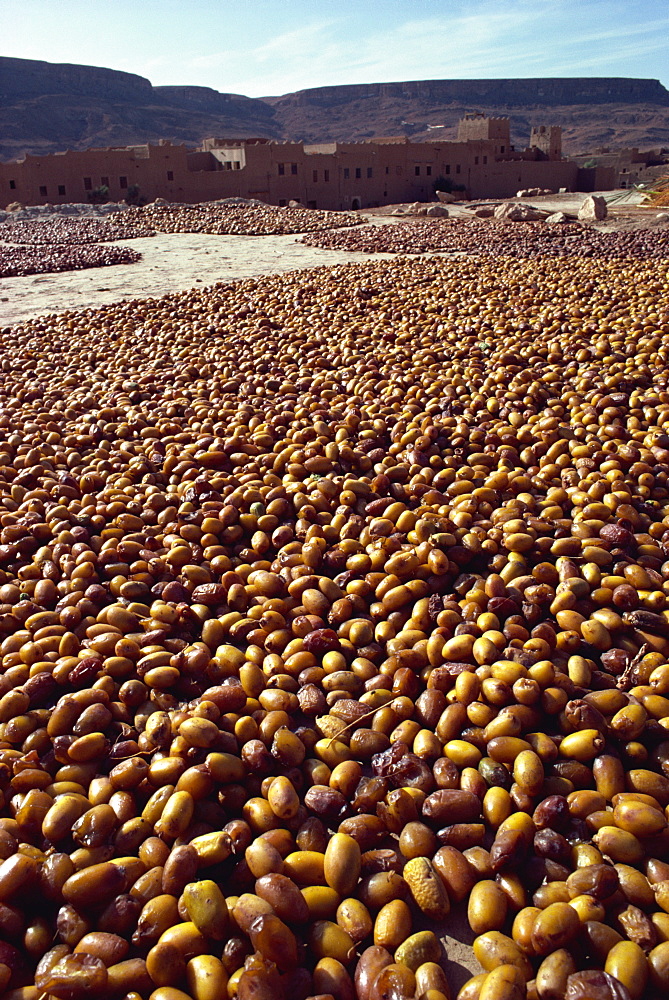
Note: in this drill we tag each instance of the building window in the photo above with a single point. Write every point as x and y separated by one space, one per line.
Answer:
282 202
88 183
61 189
123 182
237 165
387 170
476 161
170 175
369 171
293 168
502 149
416 171
42 190
315 176
281 168
12 185
228 165
447 168
347 173
358 173
428 171
326 175
485 160
457 168
104 181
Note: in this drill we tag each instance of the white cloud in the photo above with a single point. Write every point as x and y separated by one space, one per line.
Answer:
266 47
286 54
292 44
520 41
479 40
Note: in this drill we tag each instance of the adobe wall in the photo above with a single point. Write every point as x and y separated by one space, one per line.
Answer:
68 177
341 176
274 172
503 179
479 126
600 178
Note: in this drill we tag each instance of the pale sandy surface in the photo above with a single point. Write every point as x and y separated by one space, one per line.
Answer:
177 262
170 263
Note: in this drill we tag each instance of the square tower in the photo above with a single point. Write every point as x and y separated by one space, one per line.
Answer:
477 126
548 139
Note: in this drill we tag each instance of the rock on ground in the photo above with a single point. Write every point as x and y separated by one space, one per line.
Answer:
44 211
437 212
593 209
518 212
533 192
556 218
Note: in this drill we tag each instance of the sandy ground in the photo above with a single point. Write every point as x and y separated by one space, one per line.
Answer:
170 263
176 262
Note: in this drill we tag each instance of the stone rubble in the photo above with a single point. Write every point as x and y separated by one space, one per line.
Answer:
593 209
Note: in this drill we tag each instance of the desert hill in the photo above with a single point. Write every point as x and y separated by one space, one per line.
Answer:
592 111
47 107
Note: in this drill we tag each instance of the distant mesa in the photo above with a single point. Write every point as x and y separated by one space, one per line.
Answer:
47 108
544 91
33 78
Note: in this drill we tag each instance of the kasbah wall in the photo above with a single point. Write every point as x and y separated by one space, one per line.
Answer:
332 175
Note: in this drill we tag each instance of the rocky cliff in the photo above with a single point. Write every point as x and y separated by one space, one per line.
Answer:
543 90
592 111
46 107
29 77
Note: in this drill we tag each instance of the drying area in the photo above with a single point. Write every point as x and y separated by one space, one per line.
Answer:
181 260
170 262
335 624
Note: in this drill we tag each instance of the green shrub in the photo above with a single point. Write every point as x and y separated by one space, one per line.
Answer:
133 197
99 195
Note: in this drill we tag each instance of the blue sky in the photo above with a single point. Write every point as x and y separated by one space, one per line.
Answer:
267 47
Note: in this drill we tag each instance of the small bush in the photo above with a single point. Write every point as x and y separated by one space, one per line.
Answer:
133 197
99 195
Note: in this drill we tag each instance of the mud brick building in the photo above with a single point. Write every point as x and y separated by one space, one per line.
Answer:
338 175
